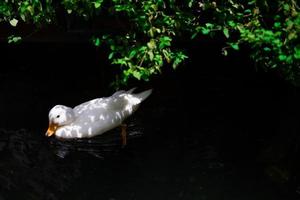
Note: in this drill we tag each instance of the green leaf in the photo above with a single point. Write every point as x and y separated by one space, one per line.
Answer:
14 39
282 57
23 17
98 3
119 61
205 31
179 57
251 2
232 23
247 11
142 49
175 64
97 42
235 46
289 59
104 37
194 35
209 25
286 7
30 9
137 75
151 55
277 24
297 52
226 32
132 53
167 55
277 17
112 47
289 23
13 22
224 52
292 35
151 44
165 41
110 56
273 66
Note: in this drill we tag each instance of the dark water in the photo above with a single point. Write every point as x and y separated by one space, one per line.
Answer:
203 134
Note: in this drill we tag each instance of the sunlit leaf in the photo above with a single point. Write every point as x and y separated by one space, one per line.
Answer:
97 42
132 53
194 35
282 57
14 39
231 23
13 22
277 24
235 46
110 56
151 44
224 52
151 55
165 41
137 74
226 32
98 3
209 25
247 11
205 31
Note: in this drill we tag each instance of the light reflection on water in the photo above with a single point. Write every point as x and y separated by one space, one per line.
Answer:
35 167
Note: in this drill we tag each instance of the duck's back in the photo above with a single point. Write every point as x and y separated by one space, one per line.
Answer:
100 115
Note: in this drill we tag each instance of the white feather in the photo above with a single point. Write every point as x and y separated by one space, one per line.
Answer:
96 116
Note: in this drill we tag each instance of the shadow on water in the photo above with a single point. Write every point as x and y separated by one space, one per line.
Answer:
29 170
33 167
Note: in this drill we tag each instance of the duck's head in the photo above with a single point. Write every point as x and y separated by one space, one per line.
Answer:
59 116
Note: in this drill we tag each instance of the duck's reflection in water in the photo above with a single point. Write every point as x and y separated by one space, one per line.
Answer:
108 144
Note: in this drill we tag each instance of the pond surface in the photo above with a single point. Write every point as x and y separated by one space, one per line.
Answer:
152 166
194 138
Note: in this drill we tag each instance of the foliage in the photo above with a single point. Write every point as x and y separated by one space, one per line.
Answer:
141 48
145 46
34 11
270 29
146 41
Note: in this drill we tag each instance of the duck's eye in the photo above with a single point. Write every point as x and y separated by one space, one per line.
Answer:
57 116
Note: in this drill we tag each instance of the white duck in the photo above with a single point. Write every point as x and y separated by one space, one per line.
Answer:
94 117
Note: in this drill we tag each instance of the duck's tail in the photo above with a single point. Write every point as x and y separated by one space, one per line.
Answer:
131 90
123 91
143 95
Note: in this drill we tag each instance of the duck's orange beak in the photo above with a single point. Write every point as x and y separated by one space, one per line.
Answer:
51 129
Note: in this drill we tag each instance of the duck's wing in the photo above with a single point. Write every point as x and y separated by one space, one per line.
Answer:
100 115
78 110
123 103
102 107
117 93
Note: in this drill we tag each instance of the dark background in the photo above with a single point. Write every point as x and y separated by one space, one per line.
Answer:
216 128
